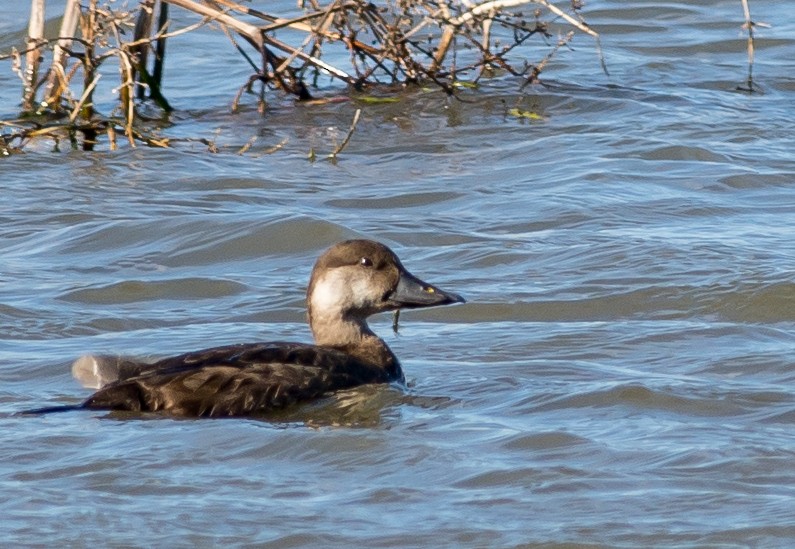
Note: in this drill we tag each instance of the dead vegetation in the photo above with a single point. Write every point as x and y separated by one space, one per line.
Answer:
443 43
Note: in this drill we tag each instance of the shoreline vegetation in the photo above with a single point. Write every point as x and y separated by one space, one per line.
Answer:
449 44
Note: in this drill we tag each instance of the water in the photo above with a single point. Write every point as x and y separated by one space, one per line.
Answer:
621 374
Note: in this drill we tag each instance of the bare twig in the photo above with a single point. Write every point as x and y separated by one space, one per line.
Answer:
486 11
536 70
249 32
84 98
344 143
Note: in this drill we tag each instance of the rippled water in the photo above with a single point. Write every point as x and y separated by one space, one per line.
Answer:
622 374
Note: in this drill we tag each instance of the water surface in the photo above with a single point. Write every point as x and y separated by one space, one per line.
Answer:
621 374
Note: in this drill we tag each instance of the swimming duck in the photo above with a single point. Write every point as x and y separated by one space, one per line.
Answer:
351 281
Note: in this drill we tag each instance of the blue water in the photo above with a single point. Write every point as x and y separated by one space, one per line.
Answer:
621 375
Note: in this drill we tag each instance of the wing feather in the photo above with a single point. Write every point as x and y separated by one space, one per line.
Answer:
236 380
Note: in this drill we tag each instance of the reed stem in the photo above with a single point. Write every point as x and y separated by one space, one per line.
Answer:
33 55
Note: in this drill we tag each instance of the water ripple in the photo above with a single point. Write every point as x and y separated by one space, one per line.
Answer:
619 376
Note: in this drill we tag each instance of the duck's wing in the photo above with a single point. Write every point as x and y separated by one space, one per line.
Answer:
97 371
236 380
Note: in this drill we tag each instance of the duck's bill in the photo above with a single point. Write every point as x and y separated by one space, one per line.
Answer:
413 293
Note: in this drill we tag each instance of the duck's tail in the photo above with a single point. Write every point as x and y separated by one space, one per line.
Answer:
96 371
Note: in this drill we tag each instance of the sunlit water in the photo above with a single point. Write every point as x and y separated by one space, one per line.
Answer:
622 374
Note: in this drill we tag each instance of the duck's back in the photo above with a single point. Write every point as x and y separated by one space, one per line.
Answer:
237 380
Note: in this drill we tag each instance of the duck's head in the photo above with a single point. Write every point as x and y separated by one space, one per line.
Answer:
357 278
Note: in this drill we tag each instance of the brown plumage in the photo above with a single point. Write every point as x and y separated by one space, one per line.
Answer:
350 282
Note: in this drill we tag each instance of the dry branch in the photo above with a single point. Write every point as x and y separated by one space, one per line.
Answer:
394 43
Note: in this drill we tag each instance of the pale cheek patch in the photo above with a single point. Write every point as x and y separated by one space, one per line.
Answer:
361 291
328 294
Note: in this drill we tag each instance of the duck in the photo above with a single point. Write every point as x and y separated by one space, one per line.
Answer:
350 282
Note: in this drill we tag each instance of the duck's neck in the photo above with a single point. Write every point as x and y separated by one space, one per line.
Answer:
353 336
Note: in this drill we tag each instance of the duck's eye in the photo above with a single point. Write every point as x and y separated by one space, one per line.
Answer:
366 262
